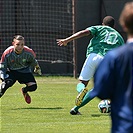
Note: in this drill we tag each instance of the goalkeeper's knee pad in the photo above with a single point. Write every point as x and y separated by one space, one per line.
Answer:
80 87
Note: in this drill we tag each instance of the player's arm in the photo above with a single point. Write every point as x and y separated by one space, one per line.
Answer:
3 68
33 60
64 42
37 68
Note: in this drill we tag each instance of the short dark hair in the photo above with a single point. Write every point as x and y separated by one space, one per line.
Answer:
18 37
109 21
126 17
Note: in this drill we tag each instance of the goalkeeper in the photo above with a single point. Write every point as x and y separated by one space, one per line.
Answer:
15 65
105 38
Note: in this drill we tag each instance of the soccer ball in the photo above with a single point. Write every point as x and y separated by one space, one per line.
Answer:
104 106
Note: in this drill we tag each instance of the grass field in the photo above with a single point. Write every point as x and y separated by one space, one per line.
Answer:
49 110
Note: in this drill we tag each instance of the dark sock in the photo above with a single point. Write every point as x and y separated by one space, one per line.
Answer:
29 88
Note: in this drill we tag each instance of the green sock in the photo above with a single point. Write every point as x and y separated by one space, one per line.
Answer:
86 99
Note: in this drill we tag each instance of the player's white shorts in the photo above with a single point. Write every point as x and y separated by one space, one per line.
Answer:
90 66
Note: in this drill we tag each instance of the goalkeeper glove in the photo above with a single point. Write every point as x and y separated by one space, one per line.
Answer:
37 70
3 76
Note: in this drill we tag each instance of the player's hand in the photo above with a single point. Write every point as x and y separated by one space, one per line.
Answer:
3 75
37 70
62 42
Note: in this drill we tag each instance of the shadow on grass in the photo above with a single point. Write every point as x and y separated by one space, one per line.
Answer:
102 114
37 108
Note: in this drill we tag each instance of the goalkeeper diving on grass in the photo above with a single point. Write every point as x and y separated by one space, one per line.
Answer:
104 39
16 65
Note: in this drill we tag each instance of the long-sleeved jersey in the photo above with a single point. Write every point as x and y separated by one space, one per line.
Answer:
114 80
19 62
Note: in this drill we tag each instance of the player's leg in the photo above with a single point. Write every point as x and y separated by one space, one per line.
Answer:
86 74
84 78
32 87
82 90
95 60
29 80
87 98
6 83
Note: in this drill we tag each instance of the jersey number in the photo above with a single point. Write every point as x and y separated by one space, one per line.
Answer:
110 38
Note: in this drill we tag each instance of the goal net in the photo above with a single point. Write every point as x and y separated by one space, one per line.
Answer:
41 22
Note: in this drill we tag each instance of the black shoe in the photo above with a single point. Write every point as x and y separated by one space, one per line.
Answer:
73 112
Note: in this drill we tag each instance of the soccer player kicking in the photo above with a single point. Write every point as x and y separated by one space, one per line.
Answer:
15 65
113 78
105 38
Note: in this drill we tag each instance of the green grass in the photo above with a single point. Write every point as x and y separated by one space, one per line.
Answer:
49 110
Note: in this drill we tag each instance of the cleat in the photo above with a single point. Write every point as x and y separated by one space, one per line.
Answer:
26 97
73 112
80 97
